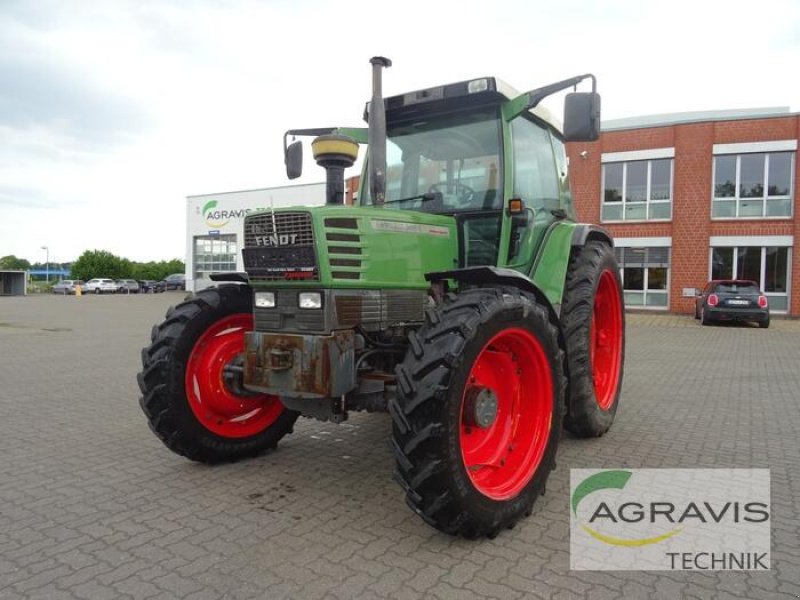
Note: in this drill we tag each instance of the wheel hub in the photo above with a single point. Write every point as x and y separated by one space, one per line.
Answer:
212 382
506 413
481 408
233 378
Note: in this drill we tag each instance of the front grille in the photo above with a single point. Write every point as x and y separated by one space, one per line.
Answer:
280 246
280 223
379 309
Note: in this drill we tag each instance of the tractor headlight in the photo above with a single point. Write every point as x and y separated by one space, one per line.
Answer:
309 300
265 299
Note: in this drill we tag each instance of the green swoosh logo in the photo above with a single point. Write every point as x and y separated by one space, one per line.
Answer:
599 481
611 480
208 206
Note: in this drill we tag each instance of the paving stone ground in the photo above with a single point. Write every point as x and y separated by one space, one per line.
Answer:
93 506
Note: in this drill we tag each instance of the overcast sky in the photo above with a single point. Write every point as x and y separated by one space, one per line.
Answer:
112 112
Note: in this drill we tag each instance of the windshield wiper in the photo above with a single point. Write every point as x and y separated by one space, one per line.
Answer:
424 197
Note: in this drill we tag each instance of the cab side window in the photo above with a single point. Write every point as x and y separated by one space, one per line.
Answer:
536 178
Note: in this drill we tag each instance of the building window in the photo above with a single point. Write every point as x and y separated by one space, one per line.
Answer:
637 190
645 276
752 186
768 266
214 254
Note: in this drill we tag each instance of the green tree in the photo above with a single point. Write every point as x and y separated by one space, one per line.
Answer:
12 263
157 270
100 263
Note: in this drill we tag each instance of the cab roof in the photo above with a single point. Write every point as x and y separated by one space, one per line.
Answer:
482 91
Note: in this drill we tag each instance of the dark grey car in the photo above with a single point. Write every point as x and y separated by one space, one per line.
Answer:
732 300
176 281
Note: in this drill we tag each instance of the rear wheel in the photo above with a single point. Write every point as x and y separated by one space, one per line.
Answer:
764 324
193 403
594 329
478 412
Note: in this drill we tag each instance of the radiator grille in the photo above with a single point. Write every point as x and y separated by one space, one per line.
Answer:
379 309
280 247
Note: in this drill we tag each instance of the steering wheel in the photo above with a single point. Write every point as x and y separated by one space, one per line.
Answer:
464 193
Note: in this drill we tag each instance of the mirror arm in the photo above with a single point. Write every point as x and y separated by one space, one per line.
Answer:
532 98
314 132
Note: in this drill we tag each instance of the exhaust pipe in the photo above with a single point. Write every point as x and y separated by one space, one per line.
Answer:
377 134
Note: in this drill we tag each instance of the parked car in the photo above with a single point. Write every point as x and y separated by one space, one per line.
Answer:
148 286
732 299
176 281
66 286
127 286
100 286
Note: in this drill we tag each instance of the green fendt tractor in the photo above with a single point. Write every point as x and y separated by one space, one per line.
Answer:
459 294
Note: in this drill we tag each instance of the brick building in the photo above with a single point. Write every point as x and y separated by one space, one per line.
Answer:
695 196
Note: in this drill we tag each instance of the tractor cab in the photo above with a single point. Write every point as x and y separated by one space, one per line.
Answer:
478 151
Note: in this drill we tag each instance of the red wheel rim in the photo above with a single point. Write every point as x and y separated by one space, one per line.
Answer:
215 405
605 340
502 457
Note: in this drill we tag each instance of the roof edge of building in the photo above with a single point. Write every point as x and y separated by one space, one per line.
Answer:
277 187
680 118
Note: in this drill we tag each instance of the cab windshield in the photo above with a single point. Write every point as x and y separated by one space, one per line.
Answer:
444 164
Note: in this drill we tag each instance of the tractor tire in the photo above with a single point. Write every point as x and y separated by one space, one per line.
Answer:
593 321
478 411
189 402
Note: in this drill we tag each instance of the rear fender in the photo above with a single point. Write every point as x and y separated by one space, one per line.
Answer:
584 233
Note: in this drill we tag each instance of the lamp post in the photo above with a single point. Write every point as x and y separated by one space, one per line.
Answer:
47 263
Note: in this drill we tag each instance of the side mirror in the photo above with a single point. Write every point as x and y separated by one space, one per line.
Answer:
293 157
582 117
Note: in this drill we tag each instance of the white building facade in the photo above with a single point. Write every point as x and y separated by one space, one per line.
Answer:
215 226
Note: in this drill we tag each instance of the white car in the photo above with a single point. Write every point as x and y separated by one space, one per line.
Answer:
100 286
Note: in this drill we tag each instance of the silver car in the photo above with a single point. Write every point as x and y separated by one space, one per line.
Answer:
66 286
127 286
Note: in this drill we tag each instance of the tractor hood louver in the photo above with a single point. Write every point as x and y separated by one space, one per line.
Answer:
346 252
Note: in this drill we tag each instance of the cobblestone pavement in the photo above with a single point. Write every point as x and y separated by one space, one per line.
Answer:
93 506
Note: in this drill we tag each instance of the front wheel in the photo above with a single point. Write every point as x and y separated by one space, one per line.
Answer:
478 412
193 403
594 330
